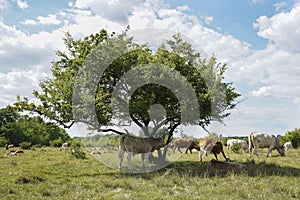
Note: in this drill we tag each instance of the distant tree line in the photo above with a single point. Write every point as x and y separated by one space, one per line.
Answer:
23 130
293 137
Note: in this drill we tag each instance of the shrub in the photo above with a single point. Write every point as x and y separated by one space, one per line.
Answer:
56 143
76 150
3 141
25 145
293 137
236 148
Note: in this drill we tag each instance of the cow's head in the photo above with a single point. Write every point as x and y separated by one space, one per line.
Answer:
157 143
280 150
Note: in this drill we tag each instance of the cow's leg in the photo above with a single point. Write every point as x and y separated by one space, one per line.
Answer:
200 155
250 151
224 155
121 156
256 151
143 160
179 150
270 151
129 155
215 155
187 150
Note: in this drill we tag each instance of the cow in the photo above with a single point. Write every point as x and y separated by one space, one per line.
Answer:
210 145
225 166
264 140
185 143
244 145
287 145
135 145
64 145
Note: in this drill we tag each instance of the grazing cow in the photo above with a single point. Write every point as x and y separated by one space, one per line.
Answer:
244 145
64 145
264 140
225 166
208 145
185 143
134 145
288 145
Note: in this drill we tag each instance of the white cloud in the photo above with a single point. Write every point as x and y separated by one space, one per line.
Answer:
114 10
208 19
49 20
3 4
22 4
279 6
281 29
183 8
265 91
257 1
29 22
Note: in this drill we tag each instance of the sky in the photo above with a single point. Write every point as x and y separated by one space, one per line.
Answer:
258 39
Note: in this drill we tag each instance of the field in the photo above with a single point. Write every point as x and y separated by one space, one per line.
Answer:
51 173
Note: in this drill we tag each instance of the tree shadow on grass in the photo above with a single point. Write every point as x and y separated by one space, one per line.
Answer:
201 170
260 169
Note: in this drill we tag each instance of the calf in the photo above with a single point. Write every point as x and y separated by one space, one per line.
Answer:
134 145
185 143
208 145
264 140
288 145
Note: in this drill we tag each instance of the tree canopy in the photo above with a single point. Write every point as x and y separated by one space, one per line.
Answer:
108 81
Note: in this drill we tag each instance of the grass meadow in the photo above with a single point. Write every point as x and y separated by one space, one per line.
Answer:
52 173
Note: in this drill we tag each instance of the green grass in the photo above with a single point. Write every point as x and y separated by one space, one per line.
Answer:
49 173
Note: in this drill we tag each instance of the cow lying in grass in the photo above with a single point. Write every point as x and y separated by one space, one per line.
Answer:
225 166
135 145
210 145
185 143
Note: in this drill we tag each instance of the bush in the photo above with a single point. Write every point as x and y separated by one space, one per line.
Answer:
56 143
76 150
25 145
293 137
236 148
3 141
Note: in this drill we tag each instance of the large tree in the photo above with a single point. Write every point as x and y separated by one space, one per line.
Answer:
107 81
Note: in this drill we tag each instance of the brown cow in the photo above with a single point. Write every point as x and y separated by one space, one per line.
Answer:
208 145
134 145
185 143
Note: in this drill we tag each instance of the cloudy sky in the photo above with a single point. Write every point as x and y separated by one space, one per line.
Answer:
259 39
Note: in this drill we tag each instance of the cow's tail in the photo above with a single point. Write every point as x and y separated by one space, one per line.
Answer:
250 140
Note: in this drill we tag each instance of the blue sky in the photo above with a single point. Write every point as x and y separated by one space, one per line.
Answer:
257 38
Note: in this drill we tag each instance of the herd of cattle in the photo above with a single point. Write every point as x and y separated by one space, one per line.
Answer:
145 146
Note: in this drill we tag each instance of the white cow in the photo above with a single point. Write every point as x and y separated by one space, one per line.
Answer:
243 143
288 145
64 145
264 140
